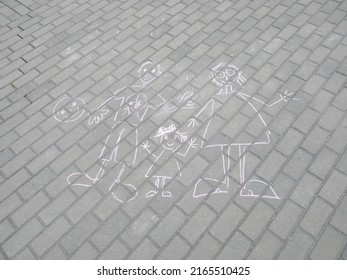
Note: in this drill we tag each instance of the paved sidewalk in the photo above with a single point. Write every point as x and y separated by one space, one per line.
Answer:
206 129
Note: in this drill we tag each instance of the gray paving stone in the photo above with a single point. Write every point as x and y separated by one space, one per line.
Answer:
13 183
315 140
22 237
331 119
257 220
323 162
50 236
334 187
79 234
117 251
329 246
205 249
145 251
236 248
139 228
56 253
6 230
297 246
168 227
266 248
81 207
195 228
338 220
56 207
227 223
176 250
316 217
306 190
298 164
109 230
10 204
86 252
29 209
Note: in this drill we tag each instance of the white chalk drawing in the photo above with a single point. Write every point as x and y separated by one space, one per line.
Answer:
69 109
129 107
227 78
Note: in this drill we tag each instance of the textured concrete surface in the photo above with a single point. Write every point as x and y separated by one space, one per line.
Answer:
206 129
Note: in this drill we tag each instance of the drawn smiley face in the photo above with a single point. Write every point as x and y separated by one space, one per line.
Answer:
68 109
149 71
222 74
170 138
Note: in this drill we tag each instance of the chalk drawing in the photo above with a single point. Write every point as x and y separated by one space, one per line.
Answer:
228 78
69 109
132 106
171 139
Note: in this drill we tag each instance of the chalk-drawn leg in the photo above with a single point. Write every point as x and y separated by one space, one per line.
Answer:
203 186
121 191
253 188
160 182
107 159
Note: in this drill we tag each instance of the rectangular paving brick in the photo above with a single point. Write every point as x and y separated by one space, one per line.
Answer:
297 247
6 230
329 246
79 234
55 208
266 248
139 228
81 207
323 163
50 236
236 248
117 251
86 252
29 209
168 227
257 220
206 249
316 217
334 187
197 224
286 219
176 250
338 220
22 237
109 230
13 183
227 223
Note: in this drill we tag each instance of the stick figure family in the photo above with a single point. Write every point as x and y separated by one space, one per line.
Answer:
130 107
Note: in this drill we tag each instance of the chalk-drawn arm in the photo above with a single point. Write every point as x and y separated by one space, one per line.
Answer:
145 145
96 116
191 145
285 97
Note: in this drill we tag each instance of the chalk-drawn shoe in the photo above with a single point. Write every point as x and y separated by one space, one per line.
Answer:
166 194
123 192
206 186
81 180
257 188
151 194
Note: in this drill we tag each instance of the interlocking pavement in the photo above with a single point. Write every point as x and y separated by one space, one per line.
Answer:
206 129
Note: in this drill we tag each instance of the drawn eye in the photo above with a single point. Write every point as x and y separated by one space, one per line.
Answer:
62 112
220 74
74 104
230 72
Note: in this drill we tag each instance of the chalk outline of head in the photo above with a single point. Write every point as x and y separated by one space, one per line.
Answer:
152 76
75 116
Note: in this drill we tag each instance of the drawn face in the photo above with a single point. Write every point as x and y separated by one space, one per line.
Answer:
224 75
68 109
149 71
170 138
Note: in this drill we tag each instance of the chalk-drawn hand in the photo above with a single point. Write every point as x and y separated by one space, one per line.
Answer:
288 96
192 143
145 145
97 116
192 123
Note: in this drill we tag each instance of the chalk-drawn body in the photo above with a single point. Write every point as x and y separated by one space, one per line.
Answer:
229 80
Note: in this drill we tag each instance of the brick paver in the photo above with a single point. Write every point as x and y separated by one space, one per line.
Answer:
173 129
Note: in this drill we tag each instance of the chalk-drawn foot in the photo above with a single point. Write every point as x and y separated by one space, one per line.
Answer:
256 188
123 192
151 194
166 194
207 186
81 180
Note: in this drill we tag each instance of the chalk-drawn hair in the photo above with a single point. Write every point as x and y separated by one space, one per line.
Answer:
162 131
